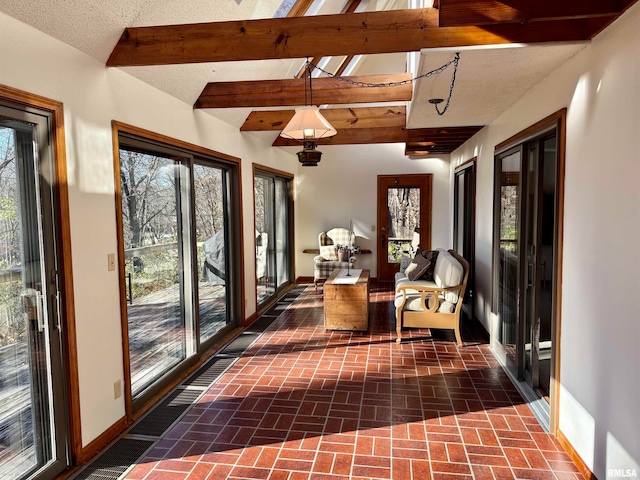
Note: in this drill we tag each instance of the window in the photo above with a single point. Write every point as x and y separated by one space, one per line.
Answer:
180 249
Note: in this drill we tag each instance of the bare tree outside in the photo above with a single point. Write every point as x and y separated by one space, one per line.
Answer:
404 219
12 325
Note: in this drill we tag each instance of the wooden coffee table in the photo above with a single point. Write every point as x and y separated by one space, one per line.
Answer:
346 306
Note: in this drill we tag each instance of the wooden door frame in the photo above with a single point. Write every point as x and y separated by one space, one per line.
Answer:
424 181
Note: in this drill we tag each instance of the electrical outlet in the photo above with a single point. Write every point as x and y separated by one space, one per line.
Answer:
117 389
111 261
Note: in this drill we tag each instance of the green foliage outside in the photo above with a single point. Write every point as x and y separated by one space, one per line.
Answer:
397 249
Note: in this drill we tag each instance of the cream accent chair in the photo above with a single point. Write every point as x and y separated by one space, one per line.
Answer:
328 259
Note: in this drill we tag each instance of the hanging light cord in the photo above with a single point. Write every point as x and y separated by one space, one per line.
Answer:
454 62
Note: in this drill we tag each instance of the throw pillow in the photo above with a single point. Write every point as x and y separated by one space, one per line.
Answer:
329 252
405 261
417 267
431 256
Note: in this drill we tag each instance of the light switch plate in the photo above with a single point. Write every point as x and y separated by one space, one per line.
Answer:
111 261
117 389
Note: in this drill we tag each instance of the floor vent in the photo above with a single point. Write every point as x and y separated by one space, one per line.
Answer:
166 413
260 325
239 344
277 309
209 373
120 456
111 464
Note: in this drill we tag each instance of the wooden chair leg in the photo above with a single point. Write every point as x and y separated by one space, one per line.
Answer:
399 326
458 337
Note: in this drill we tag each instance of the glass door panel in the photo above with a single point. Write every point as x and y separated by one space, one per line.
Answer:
404 222
32 436
546 262
153 265
464 227
531 333
211 249
282 232
540 228
273 210
265 232
508 215
458 243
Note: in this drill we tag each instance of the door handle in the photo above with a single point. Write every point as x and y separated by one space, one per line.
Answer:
32 307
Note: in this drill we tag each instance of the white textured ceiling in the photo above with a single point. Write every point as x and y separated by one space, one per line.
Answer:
488 81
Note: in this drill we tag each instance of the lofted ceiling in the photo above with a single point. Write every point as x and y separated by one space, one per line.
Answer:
187 60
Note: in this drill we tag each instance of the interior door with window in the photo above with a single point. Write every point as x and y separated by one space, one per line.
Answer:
404 220
33 435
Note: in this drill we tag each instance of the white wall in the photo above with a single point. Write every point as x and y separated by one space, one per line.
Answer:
93 96
600 330
343 188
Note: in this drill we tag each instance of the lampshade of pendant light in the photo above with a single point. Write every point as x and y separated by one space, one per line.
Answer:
308 124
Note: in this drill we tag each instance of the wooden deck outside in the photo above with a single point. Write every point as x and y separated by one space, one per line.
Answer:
156 341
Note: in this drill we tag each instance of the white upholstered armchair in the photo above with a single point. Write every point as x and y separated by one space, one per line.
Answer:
330 257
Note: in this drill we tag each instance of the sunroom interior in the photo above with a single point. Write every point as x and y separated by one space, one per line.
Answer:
170 214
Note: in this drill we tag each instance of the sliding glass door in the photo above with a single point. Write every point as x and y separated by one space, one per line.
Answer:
274 233
181 251
526 241
33 434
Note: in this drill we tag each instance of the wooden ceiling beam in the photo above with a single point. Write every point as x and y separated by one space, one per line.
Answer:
441 140
349 7
340 118
326 90
441 133
323 35
354 136
460 13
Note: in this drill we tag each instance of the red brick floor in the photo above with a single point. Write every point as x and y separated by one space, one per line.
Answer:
303 403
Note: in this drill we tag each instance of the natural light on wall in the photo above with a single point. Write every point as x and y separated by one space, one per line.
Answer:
577 424
619 462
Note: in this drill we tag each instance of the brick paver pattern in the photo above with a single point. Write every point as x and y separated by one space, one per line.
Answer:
305 403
